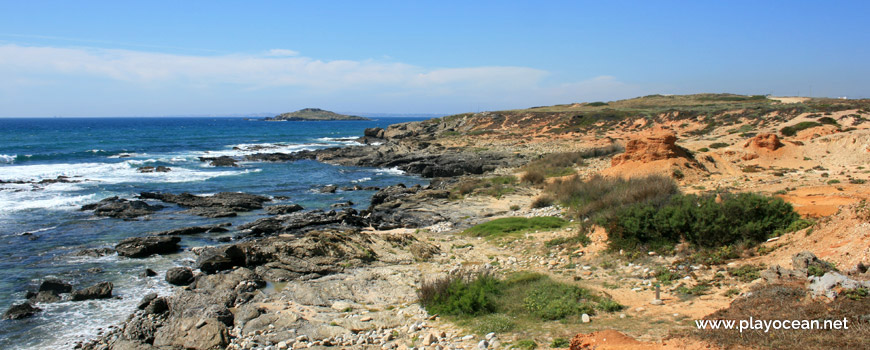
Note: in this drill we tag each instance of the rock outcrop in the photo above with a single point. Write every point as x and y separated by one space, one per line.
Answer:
19 311
121 208
223 204
769 142
650 147
140 247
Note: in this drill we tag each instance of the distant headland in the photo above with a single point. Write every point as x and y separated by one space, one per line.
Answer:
313 114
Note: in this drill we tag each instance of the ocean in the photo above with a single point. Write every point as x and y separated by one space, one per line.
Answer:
41 227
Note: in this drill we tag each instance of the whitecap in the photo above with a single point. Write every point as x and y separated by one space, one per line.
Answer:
364 179
9 159
390 171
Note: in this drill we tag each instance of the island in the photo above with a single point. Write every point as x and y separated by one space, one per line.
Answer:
313 114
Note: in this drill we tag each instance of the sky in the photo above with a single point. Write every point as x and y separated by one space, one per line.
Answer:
160 58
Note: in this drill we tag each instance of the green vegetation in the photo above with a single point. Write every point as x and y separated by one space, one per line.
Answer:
700 221
855 294
516 225
596 104
486 304
526 344
560 343
793 129
580 238
719 145
746 273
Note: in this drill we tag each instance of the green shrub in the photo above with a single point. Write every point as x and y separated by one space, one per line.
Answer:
512 225
560 343
719 145
596 104
526 344
746 273
610 305
856 294
460 294
703 149
699 220
857 181
793 129
834 181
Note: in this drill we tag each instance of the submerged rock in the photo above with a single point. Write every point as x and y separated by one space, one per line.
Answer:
192 230
140 247
219 161
283 209
121 208
223 204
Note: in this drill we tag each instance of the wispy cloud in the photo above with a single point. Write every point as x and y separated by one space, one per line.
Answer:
370 80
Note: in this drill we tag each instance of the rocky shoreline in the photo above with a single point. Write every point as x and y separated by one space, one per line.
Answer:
302 278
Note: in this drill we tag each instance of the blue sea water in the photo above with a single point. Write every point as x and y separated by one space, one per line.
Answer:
41 227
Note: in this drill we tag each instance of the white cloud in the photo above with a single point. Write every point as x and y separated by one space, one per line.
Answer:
282 53
371 81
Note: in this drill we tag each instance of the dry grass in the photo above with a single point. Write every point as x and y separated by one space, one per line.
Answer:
600 197
790 302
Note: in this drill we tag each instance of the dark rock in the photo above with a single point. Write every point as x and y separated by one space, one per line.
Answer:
140 247
55 286
146 300
342 204
179 276
328 189
377 133
804 260
19 311
95 252
148 273
223 204
151 169
219 161
157 306
94 270
214 259
283 209
194 230
778 274
102 290
121 208
43 297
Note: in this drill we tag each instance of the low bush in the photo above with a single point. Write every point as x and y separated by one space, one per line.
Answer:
563 163
793 129
534 176
460 294
560 343
542 201
746 273
719 145
699 220
516 225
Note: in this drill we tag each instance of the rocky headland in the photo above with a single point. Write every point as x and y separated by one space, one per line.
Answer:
345 278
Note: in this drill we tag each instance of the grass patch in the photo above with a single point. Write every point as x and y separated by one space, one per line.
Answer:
486 304
580 238
516 225
563 163
746 273
493 186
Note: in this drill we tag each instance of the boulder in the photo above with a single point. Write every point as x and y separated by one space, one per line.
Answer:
377 133
328 189
804 260
95 252
215 259
19 311
140 247
55 286
42 297
102 290
148 273
179 276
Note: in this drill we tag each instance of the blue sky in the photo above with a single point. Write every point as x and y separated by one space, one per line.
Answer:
118 58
